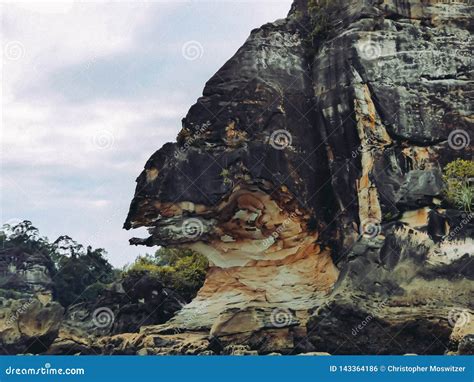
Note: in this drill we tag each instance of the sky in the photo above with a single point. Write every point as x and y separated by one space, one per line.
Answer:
90 90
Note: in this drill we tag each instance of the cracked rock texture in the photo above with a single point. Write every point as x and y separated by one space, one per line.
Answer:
29 319
309 174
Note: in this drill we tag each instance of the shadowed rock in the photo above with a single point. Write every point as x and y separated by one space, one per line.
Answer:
309 174
29 319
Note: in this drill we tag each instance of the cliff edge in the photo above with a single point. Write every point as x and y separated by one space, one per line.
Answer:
310 175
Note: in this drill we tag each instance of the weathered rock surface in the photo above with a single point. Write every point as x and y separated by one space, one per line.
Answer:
125 307
26 271
309 173
29 319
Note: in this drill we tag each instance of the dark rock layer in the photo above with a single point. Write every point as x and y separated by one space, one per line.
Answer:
309 173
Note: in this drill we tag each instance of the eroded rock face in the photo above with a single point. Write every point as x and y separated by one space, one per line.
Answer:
29 319
309 174
26 272
124 307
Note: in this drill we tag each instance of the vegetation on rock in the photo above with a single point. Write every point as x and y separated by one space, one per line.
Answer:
319 18
182 270
459 189
26 237
73 267
81 273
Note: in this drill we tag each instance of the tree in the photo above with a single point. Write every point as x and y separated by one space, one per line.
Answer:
79 270
181 270
24 235
73 267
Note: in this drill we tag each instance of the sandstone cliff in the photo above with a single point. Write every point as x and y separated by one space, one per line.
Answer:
309 173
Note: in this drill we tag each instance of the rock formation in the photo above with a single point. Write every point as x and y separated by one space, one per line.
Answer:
309 174
29 318
124 307
33 321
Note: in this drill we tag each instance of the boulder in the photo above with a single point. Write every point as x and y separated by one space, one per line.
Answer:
29 319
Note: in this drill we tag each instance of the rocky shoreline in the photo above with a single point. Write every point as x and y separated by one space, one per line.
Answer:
310 174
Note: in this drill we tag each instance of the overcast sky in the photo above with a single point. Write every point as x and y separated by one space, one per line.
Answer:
91 90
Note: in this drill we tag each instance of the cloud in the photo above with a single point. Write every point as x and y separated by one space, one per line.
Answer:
102 133
83 32
90 91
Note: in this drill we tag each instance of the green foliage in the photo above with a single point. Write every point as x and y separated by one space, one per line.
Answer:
320 21
298 14
225 174
77 269
458 177
460 168
25 236
182 270
82 273
94 291
73 267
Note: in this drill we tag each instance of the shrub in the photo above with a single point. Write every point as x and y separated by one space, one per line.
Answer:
182 270
458 177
